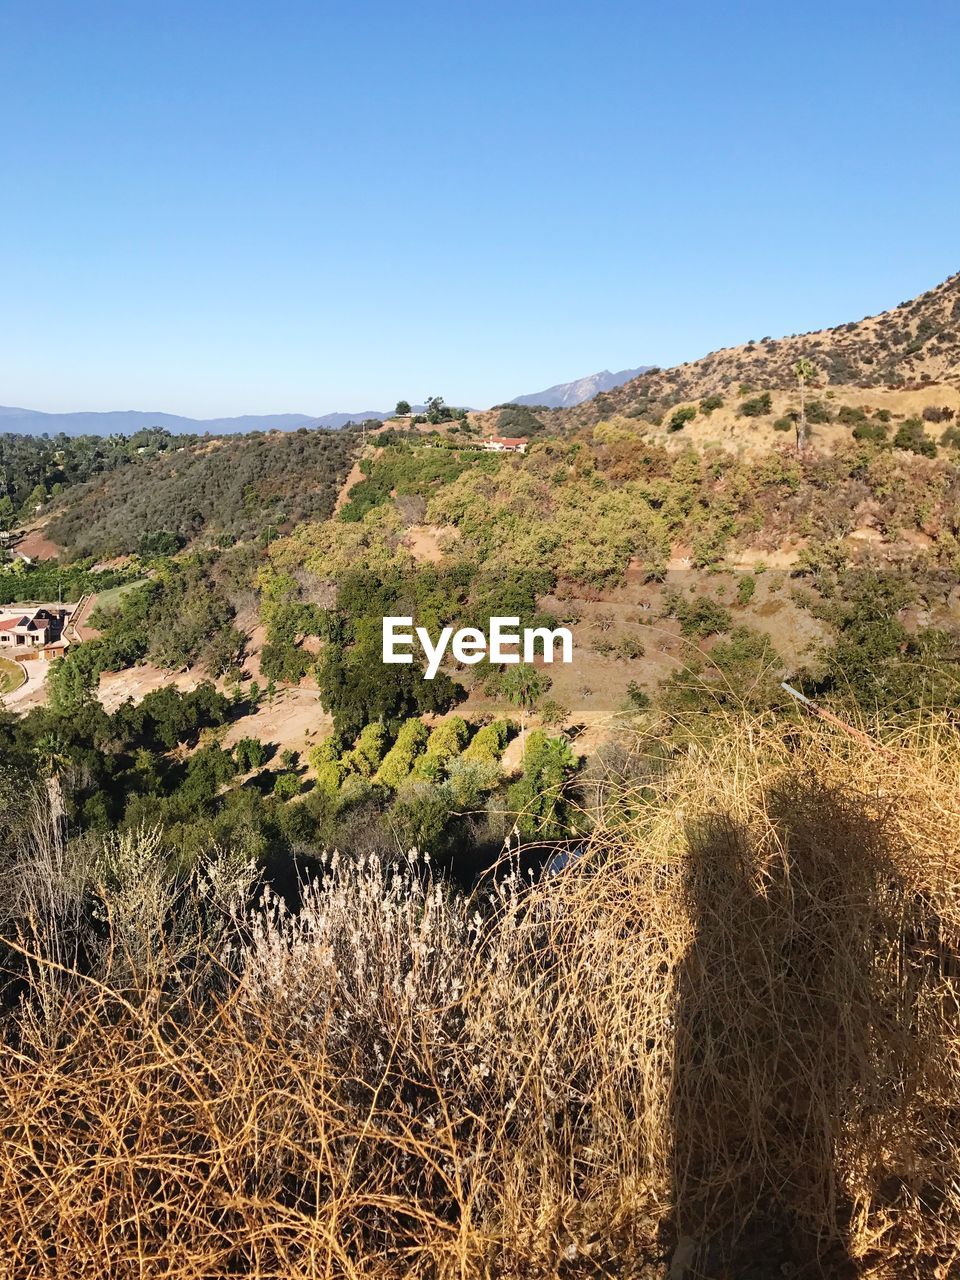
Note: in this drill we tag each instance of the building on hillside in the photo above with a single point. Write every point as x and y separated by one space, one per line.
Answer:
35 634
504 444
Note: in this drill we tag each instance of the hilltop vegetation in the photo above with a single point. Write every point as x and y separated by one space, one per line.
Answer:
35 470
242 488
915 344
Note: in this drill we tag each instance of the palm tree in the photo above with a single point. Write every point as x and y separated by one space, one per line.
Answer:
524 686
803 371
51 754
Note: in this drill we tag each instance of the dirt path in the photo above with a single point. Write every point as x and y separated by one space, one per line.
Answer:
354 476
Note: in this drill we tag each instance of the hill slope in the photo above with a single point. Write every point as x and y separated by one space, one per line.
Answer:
915 342
233 488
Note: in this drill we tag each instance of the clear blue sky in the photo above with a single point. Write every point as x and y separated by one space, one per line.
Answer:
214 208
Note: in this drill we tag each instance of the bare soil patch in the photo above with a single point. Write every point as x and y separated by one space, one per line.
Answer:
37 545
294 719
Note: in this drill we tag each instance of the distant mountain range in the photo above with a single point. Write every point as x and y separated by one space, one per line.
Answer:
126 422
567 394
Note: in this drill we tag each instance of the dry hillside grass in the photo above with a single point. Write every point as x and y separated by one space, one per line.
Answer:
915 343
722 1043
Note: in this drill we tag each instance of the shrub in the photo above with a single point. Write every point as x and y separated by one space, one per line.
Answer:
638 698
286 786
933 414
745 589
367 755
874 431
709 403
702 617
912 437
681 417
784 424
850 416
400 759
488 743
629 648
818 414
249 753
554 714
758 407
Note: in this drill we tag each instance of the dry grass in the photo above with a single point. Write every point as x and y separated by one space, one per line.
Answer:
726 1039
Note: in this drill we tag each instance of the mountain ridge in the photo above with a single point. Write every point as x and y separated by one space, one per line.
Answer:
32 422
20 421
565 395
916 342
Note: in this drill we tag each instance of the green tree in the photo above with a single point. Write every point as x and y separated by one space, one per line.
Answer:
524 686
249 753
538 799
286 786
420 815
488 743
327 765
400 759
71 684
681 417
437 411
403 408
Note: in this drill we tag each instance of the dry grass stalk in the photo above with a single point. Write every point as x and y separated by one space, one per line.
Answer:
734 1021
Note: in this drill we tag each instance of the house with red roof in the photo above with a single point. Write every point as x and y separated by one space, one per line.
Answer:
504 444
34 634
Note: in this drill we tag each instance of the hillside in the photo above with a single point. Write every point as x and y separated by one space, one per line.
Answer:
917 342
236 487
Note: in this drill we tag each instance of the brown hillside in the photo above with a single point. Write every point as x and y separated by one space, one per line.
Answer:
917 342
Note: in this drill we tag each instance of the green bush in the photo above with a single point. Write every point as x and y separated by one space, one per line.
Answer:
681 417
702 617
629 648
286 786
709 403
488 743
758 407
818 414
399 761
911 436
873 431
850 416
249 753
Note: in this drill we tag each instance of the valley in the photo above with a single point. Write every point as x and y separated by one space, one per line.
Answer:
698 550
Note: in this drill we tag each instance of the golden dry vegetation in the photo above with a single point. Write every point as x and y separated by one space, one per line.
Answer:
722 1042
